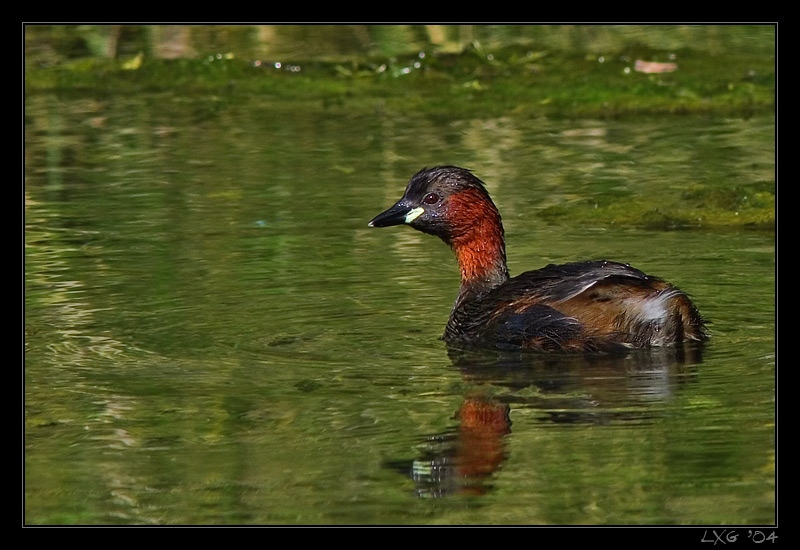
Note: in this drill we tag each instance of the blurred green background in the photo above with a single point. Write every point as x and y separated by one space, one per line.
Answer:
568 70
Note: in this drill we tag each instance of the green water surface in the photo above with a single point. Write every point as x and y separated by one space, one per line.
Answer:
214 336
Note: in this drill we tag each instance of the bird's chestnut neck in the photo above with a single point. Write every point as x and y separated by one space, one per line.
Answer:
477 239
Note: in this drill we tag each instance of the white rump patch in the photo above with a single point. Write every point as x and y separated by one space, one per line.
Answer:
656 307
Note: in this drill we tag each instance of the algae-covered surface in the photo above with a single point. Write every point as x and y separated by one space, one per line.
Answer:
594 71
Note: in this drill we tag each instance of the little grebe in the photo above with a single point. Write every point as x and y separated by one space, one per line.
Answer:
589 306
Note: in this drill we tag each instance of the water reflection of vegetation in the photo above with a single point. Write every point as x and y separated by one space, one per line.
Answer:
520 73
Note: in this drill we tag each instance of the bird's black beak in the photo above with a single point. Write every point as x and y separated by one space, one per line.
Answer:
398 214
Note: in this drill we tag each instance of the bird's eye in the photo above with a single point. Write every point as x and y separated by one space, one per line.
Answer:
430 198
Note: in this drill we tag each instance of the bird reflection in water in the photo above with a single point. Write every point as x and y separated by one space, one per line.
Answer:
564 389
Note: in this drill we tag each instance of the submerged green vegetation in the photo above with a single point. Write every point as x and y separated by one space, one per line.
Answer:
750 205
530 71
